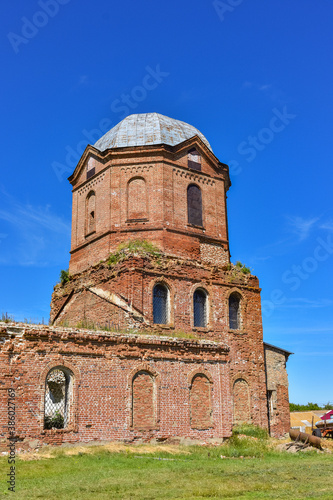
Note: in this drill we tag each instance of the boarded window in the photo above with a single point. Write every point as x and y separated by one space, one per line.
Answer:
234 311
200 402
241 395
200 308
160 304
194 205
143 412
194 159
56 405
137 199
90 213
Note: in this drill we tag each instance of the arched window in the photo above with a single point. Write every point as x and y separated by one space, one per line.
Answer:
194 205
194 159
200 308
200 402
234 311
58 386
143 407
90 213
137 199
160 304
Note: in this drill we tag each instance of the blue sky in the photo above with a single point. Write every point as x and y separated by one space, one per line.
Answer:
254 77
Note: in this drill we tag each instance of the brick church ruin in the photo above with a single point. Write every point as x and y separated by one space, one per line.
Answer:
154 334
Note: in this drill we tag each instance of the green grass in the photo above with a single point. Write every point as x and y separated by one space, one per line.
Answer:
195 472
124 250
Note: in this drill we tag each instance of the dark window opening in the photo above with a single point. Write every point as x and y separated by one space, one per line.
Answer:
90 172
160 304
234 311
200 308
194 159
194 205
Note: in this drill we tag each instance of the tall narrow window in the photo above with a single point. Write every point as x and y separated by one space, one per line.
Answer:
137 199
234 311
200 308
56 407
194 205
194 159
90 213
160 304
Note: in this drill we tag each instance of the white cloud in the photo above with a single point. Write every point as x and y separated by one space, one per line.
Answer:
328 226
301 227
35 236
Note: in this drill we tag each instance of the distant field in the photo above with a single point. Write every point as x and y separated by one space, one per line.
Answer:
117 471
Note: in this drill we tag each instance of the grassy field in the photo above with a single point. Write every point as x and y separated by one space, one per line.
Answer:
117 471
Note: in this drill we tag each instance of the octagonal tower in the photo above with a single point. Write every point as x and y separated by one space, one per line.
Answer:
154 178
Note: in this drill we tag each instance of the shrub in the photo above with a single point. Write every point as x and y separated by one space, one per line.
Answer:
307 407
64 276
243 268
55 422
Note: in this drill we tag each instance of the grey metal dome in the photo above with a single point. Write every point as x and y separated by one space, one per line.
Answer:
148 128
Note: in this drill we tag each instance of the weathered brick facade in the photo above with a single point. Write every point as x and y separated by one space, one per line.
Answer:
179 349
277 389
125 387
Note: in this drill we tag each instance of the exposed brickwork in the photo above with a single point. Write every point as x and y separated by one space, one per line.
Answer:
143 401
141 192
214 254
104 367
151 384
277 387
241 397
201 403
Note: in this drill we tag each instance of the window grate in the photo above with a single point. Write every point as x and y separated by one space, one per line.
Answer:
200 308
160 305
56 394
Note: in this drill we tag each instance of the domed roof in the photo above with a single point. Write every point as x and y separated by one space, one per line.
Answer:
146 129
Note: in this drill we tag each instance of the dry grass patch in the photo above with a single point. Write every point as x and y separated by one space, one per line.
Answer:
48 452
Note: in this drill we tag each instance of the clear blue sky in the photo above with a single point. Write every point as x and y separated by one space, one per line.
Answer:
255 77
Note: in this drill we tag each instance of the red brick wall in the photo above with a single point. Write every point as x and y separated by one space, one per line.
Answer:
201 405
242 404
133 280
277 384
142 193
143 409
103 367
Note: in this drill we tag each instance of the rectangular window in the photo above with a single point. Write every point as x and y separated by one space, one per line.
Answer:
90 172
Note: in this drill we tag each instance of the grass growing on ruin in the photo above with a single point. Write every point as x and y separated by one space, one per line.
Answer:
140 247
118 471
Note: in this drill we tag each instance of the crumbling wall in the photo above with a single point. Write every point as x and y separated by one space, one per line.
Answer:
121 296
112 376
277 390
